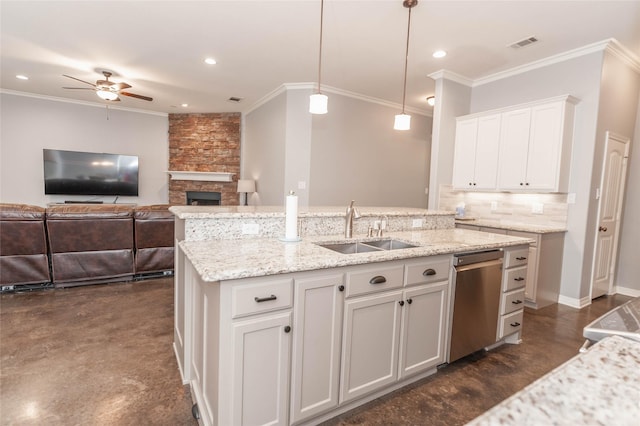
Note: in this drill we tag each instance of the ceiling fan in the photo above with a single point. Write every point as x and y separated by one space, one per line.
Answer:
108 90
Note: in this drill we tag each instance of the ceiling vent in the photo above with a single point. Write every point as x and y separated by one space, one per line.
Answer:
234 99
522 43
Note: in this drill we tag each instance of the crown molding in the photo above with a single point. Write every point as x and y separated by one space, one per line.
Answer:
450 75
84 103
336 91
611 45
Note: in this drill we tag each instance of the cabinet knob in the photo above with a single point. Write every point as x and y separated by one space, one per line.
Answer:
602 229
474 184
521 184
287 329
527 184
470 183
340 288
409 301
401 303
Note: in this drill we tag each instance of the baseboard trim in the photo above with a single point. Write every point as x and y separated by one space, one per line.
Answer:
574 303
626 291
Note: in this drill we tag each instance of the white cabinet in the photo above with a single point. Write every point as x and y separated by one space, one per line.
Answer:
521 148
317 334
406 329
261 351
514 278
476 153
536 146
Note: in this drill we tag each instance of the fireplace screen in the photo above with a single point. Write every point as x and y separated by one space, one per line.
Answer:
201 198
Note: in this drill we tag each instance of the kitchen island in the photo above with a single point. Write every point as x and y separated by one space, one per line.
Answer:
294 333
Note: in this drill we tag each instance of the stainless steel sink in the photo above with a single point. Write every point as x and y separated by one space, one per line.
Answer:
367 246
390 244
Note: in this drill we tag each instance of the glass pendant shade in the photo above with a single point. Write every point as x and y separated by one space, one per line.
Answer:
318 103
402 122
107 95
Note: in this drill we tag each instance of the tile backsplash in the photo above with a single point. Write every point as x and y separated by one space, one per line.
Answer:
551 208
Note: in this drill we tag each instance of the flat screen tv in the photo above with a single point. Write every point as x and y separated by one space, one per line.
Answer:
89 173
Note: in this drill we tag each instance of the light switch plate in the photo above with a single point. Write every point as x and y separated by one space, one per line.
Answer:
494 206
417 223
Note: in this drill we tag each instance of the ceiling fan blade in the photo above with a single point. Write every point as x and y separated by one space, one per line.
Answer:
82 81
133 95
119 86
80 88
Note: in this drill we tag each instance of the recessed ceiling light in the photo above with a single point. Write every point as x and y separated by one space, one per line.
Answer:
184 105
439 54
210 61
22 77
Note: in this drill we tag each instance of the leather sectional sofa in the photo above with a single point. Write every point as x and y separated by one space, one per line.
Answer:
87 244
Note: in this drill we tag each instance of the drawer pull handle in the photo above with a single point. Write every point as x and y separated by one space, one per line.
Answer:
515 324
265 299
521 258
378 279
518 279
516 302
429 272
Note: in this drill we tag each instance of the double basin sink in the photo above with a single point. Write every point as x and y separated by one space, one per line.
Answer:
367 246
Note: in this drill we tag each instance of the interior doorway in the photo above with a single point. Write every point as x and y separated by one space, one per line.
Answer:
611 199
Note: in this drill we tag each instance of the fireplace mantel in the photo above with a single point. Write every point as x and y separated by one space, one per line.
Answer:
201 176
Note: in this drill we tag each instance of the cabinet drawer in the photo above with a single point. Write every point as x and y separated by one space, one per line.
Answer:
514 278
261 297
512 301
516 257
371 280
511 323
427 271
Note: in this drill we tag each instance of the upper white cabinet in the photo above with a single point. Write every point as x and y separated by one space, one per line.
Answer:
476 152
522 148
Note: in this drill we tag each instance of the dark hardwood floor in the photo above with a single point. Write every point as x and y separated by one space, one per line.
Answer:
102 355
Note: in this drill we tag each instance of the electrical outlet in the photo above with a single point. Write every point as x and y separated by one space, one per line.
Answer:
376 224
494 206
417 223
537 208
250 228
302 184
571 198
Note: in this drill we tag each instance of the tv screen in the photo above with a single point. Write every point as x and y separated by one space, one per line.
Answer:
89 173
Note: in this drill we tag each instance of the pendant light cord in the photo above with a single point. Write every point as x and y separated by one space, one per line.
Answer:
406 61
320 54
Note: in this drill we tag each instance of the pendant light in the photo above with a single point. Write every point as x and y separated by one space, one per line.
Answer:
318 101
403 121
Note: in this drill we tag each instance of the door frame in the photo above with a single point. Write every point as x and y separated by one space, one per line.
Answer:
616 237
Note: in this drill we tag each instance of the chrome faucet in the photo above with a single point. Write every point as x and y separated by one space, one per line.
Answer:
352 213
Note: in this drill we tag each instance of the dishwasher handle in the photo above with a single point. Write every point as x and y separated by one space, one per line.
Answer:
472 266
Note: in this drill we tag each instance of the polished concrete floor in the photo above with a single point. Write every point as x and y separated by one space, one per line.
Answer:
102 355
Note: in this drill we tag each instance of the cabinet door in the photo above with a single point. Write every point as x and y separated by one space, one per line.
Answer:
370 344
464 157
424 326
487 152
317 331
514 145
532 275
545 147
261 347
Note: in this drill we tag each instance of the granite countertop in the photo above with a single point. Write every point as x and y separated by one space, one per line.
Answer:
510 225
226 212
216 260
598 387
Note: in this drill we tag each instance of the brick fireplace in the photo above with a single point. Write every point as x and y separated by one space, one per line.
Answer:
204 143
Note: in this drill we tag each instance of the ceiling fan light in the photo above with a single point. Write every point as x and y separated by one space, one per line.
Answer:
107 95
318 103
402 122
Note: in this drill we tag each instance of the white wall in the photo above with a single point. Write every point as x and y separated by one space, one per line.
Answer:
356 154
30 124
263 150
350 153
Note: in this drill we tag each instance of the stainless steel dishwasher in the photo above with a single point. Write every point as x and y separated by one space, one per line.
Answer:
476 302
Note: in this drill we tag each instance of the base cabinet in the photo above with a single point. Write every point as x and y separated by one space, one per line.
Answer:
297 348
